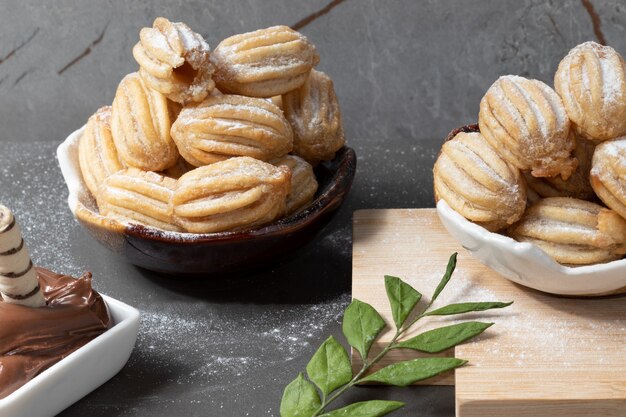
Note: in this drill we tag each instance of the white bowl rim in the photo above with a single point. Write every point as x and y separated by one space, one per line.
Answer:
528 250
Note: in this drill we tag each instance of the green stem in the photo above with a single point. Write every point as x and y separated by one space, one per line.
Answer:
418 317
367 365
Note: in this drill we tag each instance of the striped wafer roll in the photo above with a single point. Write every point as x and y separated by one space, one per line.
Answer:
18 279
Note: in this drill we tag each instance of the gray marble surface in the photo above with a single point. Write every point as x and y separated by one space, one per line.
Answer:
406 72
222 347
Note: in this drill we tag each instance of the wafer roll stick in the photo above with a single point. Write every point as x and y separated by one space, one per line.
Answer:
18 278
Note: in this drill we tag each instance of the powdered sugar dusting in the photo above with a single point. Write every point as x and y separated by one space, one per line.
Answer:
611 68
537 332
614 149
482 164
523 85
157 40
262 339
562 121
524 335
612 80
498 91
34 190
586 83
191 40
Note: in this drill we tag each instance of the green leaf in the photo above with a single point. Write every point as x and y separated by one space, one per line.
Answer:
438 340
361 325
461 308
330 368
405 373
402 298
374 408
300 399
446 277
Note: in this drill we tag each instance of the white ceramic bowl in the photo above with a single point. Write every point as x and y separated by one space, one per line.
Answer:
79 373
528 265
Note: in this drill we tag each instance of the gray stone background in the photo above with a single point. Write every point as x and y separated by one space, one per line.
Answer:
406 72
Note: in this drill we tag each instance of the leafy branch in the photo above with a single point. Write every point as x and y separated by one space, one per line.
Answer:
329 372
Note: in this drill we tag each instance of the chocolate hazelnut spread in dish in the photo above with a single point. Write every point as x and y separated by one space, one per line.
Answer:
33 339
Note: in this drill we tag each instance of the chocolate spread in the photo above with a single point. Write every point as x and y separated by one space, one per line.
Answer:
33 339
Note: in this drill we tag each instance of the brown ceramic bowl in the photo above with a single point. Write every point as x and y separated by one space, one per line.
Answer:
212 253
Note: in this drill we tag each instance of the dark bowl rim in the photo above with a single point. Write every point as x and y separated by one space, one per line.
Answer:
339 185
469 128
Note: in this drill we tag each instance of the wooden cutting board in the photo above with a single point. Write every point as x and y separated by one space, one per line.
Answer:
545 356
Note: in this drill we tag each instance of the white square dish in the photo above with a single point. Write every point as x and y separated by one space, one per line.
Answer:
79 373
528 265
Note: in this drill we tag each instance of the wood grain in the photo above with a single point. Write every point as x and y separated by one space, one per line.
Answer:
546 355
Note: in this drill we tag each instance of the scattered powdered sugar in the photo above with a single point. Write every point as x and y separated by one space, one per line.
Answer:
187 347
612 80
537 331
481 162
556 104
585 77
225 116
385 174
157 40
230 349
546 226
523 85
534 338
526 335
175 236
615 149
33 188
340 241
611 68
505 102
191 40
